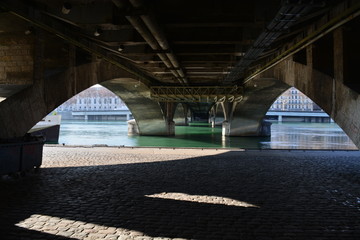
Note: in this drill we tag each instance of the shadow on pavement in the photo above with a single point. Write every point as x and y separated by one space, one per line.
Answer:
289 196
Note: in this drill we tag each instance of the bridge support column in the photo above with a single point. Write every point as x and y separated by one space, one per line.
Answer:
170 112
246 118
212 121
226 128
216 115
133 128
151 117
180 115
246 128
228 110
212 116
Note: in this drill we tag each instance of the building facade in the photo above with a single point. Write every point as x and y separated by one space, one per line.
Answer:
294 100
294 106
95 103
93 99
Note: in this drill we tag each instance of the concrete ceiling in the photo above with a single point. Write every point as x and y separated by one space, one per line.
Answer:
177 42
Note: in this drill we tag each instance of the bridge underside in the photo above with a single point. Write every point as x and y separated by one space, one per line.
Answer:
168 59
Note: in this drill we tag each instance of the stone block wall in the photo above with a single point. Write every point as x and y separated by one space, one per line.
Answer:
16 60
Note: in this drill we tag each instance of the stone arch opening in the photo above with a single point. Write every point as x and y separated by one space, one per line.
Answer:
217 115
181 114
300 108
93 116
38 100
245 118
332 94
96 103
297 120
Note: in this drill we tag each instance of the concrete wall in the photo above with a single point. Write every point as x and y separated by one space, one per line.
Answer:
16 56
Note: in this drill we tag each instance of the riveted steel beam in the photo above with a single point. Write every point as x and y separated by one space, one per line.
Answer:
196 94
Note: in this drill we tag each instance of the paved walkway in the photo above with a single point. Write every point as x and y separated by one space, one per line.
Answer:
110 193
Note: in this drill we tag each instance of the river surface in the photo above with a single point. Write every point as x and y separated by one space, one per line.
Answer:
284 136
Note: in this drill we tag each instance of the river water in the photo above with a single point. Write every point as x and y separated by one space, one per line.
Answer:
284 136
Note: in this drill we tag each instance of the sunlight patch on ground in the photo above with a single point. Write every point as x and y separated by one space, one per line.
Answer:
202 199
73 229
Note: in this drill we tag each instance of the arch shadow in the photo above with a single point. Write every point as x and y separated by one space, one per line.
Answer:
264 195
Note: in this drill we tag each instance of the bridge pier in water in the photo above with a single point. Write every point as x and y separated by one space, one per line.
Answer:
246 117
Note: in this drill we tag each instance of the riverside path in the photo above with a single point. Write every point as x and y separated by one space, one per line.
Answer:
151 193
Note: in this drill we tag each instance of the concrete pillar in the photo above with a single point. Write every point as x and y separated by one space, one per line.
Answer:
171 128
180 115
246 117
170 124
228 110
226 128
72 73
246 128
212 122
133 128
280 118
217 115
265 129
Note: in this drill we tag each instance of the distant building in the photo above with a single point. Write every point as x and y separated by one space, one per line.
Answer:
294 106
95 103
294 100
93 99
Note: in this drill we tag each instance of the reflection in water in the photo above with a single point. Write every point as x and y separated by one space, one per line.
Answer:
309 136
284 136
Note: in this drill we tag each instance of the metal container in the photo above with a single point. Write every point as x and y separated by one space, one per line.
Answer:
21 156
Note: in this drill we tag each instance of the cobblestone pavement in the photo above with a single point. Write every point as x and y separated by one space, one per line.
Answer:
111 193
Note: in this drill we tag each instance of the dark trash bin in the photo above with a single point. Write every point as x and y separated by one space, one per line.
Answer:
20 155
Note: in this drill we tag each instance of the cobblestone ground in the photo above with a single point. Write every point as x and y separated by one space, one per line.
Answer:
110 193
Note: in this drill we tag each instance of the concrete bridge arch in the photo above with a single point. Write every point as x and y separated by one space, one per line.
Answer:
331 83
245 118
181 114
28 106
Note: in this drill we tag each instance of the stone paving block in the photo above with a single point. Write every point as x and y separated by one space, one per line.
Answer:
110 193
